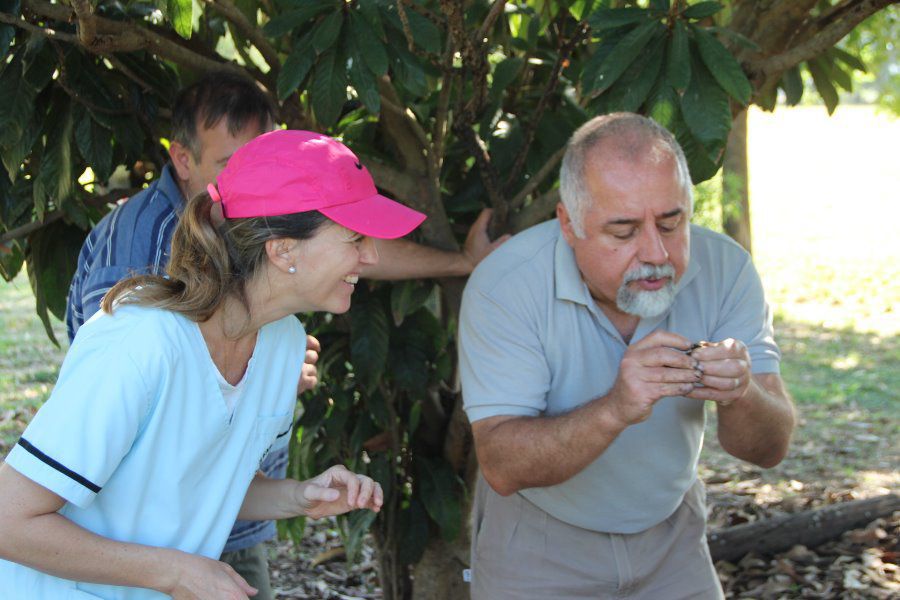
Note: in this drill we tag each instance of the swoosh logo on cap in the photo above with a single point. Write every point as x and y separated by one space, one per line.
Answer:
359 166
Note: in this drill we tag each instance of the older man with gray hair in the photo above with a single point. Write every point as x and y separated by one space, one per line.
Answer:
590 346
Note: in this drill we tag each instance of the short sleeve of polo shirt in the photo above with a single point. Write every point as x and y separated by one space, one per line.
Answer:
746 316
80 435
502 364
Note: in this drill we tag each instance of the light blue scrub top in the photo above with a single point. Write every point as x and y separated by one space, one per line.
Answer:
137 439
534 342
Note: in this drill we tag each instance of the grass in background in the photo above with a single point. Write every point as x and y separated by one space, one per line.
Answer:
29 362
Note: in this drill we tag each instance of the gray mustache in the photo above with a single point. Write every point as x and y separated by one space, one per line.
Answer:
646 271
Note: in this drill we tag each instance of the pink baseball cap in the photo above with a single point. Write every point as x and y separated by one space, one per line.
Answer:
289 171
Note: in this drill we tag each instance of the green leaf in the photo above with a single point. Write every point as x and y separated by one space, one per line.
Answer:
678 61
8 32
701 10
425 34
661 5
16 102
407 297
823 85
664 107
369 338
706 110
854 62
181 15
792 82
625 52
370 45
50 268
839 76
603 19
412 532
356 526
291 19
296 67
363 81
11 260
40 62
20 146
16 204
408 71
438 488
702 167
723 66
327 31
95 145
633 87
54 179
504 74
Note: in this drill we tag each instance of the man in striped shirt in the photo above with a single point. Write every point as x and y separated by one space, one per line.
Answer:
211 119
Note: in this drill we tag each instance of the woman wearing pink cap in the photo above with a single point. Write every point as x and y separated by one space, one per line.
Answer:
128 480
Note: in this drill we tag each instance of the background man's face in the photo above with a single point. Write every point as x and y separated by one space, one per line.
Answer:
637 228
216 147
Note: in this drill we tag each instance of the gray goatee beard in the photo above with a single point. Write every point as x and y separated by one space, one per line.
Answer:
646 303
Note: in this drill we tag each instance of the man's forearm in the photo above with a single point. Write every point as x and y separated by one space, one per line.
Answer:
525 452
758 427
403 259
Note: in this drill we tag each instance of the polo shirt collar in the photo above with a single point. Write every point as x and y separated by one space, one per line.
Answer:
570 286
168 187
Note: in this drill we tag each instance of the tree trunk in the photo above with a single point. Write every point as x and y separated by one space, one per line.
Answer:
809 528
439 575
735 192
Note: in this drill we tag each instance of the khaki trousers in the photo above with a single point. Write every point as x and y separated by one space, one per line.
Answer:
519 552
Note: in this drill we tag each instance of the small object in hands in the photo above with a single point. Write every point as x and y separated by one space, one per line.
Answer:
695 346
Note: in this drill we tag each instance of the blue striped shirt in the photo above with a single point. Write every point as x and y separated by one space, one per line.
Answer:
134 238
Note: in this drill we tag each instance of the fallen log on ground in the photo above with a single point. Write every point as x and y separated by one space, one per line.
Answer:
809 528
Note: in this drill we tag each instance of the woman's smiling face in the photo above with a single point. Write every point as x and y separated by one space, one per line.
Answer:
328 266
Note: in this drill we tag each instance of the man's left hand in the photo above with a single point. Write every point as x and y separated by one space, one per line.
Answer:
478 243
726 372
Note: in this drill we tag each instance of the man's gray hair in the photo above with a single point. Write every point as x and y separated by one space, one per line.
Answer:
624 135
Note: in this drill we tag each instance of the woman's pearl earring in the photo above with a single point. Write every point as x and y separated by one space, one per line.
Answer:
292 269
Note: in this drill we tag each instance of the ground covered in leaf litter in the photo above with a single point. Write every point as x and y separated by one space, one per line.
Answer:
844 453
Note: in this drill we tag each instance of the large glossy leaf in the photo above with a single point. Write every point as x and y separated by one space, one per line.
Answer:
438 488
369 338
54 179
504 74
854 62
355 527
625 52
7 32
11 260
296 67
16 148
16 203
678 59
723 66
16 102
407 297
706 110
425 34
792 82
824 85
327 31
50 269
635 84
701 10
603 19
297 17
181 15
95 145
840 77
664 107
362 80
369 43
412 532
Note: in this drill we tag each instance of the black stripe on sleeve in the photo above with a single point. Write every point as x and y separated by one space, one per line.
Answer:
59 467
284 433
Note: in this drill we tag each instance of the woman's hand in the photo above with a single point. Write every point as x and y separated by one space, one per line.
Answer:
336 491
201 578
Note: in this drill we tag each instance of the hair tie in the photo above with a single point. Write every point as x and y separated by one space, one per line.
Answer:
213 193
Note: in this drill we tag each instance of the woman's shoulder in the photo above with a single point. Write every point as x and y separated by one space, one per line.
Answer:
287 332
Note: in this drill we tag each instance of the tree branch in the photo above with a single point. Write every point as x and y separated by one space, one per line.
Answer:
538 178
250 31
44 31
535 212
829 35
25 230
562 59
495 12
